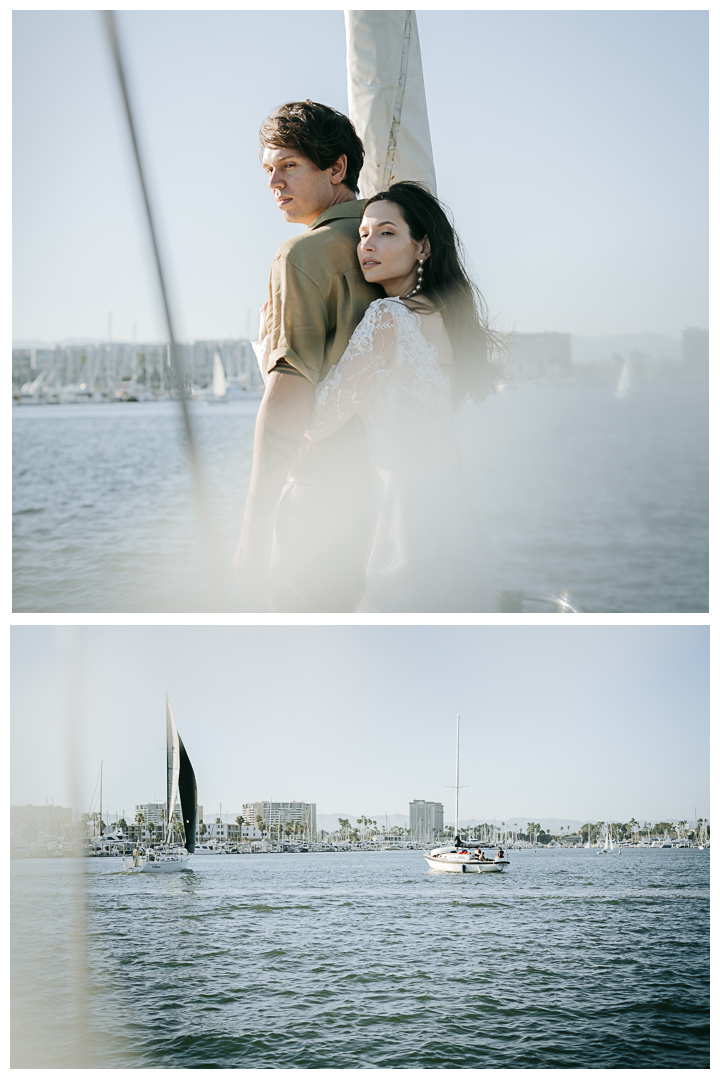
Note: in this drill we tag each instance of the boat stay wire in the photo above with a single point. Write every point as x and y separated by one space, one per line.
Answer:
177 367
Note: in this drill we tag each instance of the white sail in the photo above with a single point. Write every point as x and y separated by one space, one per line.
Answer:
386 96
173 765
624 383
219 383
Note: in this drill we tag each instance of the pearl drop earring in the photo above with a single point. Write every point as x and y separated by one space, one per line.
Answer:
418 287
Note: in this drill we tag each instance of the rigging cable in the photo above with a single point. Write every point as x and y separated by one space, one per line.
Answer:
177 366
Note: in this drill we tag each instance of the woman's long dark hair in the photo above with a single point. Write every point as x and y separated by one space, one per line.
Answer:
449 289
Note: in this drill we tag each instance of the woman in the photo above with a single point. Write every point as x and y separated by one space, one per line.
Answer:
415 356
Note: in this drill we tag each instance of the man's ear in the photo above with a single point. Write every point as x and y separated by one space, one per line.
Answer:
338 171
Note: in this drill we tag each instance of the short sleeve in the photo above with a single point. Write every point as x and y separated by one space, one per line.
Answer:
358 373
298 320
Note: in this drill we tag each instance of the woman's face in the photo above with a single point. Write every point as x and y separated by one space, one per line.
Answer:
387 252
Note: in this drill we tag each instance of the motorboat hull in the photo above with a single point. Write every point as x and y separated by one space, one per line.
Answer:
163 864
458 864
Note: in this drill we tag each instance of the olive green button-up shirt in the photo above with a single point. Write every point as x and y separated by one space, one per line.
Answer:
318 294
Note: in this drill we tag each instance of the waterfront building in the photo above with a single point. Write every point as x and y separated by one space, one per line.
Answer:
153 813
535 356
30 823
280 813
426 818
696 353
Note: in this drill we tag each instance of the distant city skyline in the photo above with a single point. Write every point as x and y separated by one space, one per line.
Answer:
365 716
571 147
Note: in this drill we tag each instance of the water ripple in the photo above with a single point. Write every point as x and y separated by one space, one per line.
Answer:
366 961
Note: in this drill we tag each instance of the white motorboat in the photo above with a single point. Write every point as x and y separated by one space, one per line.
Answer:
462 858
169 857
465 861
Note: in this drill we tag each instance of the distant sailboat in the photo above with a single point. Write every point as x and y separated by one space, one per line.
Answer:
624 383
170 857
219 381
609 845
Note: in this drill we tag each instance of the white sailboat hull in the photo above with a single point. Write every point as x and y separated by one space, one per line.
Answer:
451 863
161 864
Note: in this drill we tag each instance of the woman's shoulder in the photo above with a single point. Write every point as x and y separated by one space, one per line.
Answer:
386 309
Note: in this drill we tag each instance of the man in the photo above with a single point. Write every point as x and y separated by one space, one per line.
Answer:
322 525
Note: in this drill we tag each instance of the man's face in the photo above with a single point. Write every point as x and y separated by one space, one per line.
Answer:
301 189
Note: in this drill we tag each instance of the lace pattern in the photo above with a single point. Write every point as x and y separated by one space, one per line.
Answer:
428 552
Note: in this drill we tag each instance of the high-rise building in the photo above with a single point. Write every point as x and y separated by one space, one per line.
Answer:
426 818
152 812
279 813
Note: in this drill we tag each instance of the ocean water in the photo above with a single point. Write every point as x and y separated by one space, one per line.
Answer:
363 960
578 491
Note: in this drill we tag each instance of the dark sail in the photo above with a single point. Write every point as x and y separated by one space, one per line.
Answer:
187 789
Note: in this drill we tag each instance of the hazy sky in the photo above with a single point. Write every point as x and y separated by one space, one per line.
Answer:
570 145
577 722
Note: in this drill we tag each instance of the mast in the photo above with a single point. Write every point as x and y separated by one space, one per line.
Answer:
101 820
173 766
386 99
457 771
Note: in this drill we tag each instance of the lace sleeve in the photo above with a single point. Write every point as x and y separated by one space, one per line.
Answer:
358 373
262 352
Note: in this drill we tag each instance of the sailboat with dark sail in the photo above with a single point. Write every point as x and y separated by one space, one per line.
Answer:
169 856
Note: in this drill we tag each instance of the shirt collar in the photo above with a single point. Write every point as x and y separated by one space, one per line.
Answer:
352 209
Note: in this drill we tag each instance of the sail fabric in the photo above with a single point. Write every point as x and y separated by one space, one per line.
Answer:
386 95
173 764
187 789
219 381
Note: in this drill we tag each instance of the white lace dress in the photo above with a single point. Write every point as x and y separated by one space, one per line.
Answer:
428 553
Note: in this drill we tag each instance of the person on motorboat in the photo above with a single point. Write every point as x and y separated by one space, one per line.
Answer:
501 853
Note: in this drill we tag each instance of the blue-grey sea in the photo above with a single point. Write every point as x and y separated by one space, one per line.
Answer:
578 491
364 960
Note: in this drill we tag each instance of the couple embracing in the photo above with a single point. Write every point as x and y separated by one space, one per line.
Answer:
372 336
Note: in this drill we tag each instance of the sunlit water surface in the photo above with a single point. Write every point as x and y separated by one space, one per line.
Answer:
577 490
365 960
